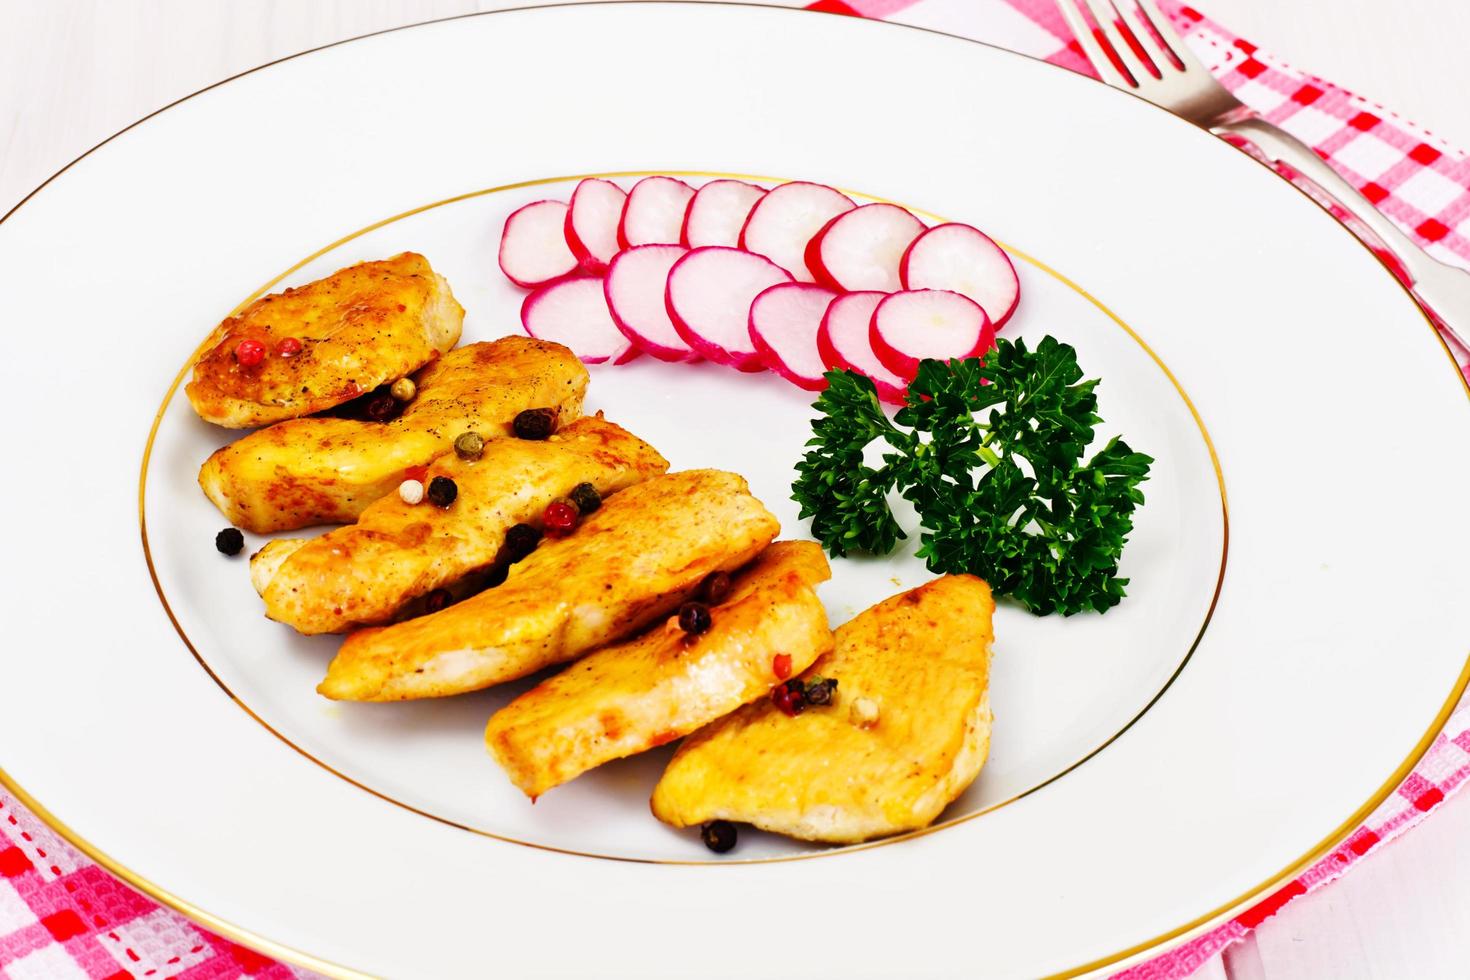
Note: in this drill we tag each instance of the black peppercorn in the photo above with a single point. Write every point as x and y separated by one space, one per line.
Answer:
694 617
382 406
716 586
520 541
586 497
534 423
819 690
718 835
442 491
229 541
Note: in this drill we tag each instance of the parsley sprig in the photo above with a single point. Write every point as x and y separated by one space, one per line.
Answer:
991 456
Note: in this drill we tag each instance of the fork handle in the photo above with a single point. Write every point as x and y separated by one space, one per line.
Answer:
1442 289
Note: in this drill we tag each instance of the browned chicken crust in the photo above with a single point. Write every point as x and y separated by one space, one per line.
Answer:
360 327
921 661
624 699
364 573
328 470
632 562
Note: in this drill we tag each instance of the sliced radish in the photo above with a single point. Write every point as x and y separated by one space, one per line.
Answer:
861 248
533 245
908 327
782 222
635 296
709 294
654 212
592 222
784 321
843 342
963 260
574 312
718 211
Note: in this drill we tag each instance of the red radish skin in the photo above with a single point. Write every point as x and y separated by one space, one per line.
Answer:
842 342
784 221
574 312
717 212
963 260
861 249
910 326
653 214
592 222
635 285
708 296
533 245
784 321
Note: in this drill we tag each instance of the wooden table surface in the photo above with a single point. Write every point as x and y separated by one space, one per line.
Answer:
72 72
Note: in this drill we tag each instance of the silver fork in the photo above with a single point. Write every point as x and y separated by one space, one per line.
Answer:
1172 78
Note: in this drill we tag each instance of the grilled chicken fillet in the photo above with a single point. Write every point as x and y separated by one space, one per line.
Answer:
364 573
631 562
328 470
637 695
358 328
922 660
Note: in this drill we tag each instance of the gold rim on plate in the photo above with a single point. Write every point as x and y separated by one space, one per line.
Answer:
1127 955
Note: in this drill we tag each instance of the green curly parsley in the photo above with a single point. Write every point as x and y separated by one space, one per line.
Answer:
991 456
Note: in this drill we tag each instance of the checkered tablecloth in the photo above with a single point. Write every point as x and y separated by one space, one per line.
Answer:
62 916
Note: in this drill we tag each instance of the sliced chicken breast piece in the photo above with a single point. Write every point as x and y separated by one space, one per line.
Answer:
632 562
361 327
365 573
625 699
328 470
907 732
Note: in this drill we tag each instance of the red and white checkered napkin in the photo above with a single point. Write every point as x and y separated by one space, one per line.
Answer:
62 916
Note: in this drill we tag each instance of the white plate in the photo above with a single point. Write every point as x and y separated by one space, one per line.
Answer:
1153 768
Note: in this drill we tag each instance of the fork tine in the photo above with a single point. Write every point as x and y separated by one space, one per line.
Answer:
1081 30
1107 20
1138 24
1171 37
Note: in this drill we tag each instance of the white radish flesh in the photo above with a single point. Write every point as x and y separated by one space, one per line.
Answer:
784 321
862 248
654 212
784 221
843 342
592 222
709 295
635 286
718 211
964 260
574 312
533 245
910 326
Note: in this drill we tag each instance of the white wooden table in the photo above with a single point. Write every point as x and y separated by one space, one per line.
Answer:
73 72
